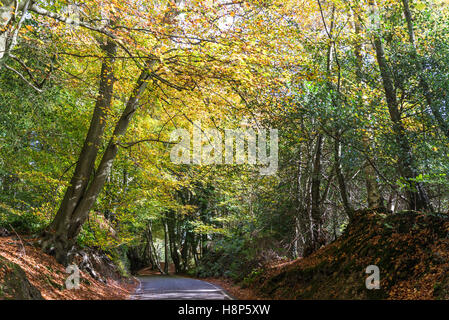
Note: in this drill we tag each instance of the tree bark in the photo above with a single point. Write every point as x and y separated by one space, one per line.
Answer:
341 178
315 211
56 239
8 16
374 196
60 236
166 253
153 252
171 226
82 210
315 192
416 195
442 123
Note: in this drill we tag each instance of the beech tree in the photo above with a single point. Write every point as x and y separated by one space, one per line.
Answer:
189 34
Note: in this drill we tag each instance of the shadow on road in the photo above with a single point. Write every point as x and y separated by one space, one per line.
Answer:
160 287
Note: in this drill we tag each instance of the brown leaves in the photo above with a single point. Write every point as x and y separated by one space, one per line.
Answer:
412 254
49 277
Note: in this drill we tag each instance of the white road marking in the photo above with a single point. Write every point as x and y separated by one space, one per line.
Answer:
221 290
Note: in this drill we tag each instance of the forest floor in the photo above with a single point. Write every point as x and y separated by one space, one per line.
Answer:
410 249
49 277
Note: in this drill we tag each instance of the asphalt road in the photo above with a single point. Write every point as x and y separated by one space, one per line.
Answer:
177 288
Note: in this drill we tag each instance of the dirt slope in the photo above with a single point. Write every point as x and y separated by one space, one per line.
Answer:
411 250
14 283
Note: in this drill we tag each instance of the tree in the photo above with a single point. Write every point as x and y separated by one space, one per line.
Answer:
442 123
416 194
185 44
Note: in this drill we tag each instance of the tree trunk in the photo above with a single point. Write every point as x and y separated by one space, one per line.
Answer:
60 236
315 194
87 201
204 248
153 252
167 262
186 250
8 17
194 250
441 122
171 225
56 239
374 197
315 210
340 177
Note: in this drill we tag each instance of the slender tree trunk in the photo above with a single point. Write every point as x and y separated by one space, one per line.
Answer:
186 250
442 123
315 212
194 249
155 257
171 225
315 192
167 262
341 178
204 248
185 253
416 195
10 24
301 210
374 196
305 200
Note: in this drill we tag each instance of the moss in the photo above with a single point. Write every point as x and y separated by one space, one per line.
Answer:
85 281
52 283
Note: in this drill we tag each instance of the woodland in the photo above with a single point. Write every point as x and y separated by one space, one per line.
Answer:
91 91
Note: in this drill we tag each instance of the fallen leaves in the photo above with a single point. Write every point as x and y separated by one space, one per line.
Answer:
49 277
412 254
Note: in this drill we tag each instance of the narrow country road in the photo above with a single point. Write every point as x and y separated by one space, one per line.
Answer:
177 288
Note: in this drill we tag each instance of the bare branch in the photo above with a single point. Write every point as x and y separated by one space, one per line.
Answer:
130 144
23 78
43 12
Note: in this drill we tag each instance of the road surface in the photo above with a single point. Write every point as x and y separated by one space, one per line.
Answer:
177 288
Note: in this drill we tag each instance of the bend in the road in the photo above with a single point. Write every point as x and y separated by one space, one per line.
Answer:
177 288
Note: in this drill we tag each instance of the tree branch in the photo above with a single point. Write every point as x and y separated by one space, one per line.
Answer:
23 78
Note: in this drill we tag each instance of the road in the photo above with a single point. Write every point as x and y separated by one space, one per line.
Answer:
177 288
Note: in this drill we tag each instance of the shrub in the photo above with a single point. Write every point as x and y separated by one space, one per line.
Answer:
21 221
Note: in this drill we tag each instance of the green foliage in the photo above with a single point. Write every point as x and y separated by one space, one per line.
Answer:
121 261
250 278
233 258
22 222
